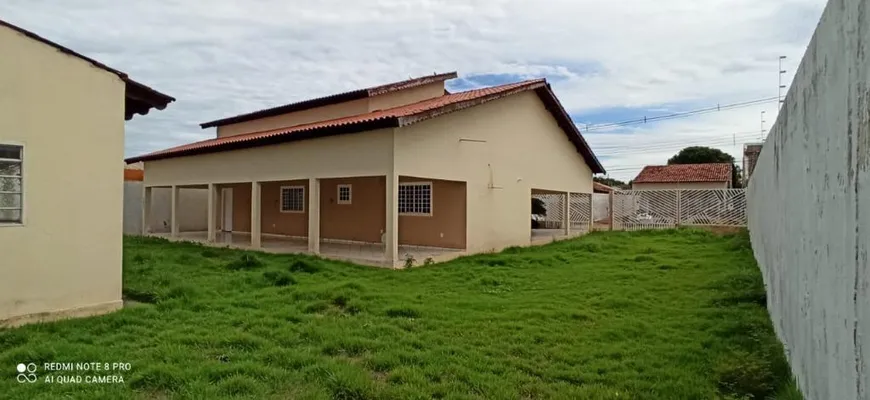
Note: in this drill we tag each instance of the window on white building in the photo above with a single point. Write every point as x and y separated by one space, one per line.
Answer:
293 199
344 194
11 183
415 198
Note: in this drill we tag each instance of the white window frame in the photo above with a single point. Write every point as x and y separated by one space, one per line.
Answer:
281 199
349 188
22 179
431 199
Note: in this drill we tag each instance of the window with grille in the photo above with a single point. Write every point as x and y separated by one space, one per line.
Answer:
415 198
11 158
292 199
344 194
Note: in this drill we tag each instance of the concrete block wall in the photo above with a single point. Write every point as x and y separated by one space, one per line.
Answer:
809 210
192 209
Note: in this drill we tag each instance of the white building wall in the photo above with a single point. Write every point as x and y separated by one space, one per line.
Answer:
809 210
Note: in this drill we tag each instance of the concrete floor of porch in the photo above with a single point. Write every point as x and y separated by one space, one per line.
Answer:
544 236
360 253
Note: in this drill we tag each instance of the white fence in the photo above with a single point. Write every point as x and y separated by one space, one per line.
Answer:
661 209
579 212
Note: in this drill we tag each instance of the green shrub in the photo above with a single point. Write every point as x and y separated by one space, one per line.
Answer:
279 278
245 261
402 312
409 261
306 266
140 296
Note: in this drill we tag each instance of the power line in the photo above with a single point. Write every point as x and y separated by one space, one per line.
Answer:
729 137
644 120
634 151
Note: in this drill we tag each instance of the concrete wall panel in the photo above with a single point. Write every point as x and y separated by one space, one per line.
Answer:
808 209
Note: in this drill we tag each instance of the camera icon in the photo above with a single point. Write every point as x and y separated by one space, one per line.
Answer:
26 373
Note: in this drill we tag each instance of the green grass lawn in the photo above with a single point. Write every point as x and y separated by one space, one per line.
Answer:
614 315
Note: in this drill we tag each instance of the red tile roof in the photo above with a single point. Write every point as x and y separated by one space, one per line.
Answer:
131 174
139 99
331 99
393 117
684 173
601 188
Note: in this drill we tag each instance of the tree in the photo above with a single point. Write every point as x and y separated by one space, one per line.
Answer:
707 155
538 207
614 183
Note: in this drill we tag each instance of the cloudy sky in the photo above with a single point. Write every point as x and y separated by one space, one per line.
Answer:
608 61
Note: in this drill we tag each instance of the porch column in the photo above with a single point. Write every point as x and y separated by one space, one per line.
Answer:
391 236
173 214
314 215
212 200
566 216
255 215
591 213
146 210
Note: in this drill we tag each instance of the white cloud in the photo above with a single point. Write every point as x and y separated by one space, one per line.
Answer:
224 57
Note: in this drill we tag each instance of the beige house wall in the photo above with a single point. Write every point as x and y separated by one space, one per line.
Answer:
517 146
355 107
273 220
447 225
406 96
364 219
363 154
679 185
333 111
57 107
192 209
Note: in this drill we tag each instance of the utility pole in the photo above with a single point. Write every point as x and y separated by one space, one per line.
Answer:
762 126
781 86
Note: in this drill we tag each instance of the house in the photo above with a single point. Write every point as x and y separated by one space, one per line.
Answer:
751 151
61 139
683 176
601 188
399 170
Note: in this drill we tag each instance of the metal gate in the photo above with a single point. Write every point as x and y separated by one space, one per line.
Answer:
661 209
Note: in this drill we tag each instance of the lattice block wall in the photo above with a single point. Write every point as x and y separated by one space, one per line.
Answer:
581 211
554 203
645 209
713 207
655 209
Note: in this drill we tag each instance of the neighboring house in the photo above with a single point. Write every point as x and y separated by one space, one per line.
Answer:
402 164
683 176
751 151
61 137
601 188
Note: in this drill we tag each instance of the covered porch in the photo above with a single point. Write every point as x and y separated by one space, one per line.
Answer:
559 215
373 220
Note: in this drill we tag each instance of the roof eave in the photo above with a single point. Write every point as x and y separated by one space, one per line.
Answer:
288 108
277 138
140 99
461 105
329 100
